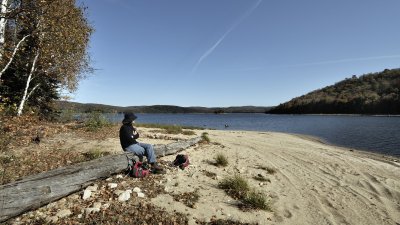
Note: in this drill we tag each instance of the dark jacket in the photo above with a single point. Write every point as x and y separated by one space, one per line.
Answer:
126 136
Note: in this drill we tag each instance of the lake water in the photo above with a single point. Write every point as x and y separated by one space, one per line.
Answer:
372 133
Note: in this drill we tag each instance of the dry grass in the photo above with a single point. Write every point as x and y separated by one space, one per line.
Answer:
204 138
270 170
221 160
238 188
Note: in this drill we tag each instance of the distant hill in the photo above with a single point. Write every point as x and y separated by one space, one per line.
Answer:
89 107
375 93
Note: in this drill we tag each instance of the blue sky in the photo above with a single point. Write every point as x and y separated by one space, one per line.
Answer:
233 52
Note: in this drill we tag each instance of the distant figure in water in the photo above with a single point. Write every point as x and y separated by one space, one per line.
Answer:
226 125
128 135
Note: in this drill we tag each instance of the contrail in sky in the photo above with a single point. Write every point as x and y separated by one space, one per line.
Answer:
231 28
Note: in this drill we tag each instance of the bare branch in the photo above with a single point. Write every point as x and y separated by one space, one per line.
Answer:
33 89
12 57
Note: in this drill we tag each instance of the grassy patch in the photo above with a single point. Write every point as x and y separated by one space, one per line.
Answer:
255 200
238 188
94 154
215 221
204 138
221 160
270 170
260 177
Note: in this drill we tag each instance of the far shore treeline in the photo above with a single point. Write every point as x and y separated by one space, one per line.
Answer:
374 93
89 108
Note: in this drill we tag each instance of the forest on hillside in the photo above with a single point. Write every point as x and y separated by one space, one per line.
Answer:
374 93
89 108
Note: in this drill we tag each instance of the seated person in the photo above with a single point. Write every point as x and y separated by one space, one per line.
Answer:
128 135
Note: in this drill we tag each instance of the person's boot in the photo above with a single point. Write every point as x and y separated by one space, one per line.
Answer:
156 169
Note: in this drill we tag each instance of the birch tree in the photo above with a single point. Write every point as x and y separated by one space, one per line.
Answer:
60 32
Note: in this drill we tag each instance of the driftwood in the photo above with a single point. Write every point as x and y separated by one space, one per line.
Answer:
35 191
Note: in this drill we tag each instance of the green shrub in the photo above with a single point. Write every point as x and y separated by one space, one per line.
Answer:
95 121
221 160
236 186
66 116
255 200
205 138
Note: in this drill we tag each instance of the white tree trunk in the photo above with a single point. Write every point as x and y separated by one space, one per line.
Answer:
24 97
12 57
3 22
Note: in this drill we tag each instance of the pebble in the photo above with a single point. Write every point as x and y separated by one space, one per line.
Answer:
92 188
125 196
91 210
97 205
52 219
140 195
137 190
119 176
112 185
79 216
64 213
118 192
109 179
105 206
86 194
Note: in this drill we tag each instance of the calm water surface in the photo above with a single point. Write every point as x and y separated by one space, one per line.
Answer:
371 133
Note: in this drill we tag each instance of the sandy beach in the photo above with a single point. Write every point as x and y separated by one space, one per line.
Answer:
314 183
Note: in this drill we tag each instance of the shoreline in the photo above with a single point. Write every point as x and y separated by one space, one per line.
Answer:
376 155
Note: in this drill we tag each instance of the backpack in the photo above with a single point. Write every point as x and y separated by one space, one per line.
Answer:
182 161
137 169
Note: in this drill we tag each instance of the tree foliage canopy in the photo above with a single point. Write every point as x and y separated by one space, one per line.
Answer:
374 93
52 55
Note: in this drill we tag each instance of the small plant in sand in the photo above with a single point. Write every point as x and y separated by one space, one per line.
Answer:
255 200
215 221
221 160
270 170
260 177
204 138
94 154
236 186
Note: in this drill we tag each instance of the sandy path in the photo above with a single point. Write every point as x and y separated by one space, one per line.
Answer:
314 184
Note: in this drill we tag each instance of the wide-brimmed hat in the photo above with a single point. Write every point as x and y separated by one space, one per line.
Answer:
129 117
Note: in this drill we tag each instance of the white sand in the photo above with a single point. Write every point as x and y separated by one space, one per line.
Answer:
314 183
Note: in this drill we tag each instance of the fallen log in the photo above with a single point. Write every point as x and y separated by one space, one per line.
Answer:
35 191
